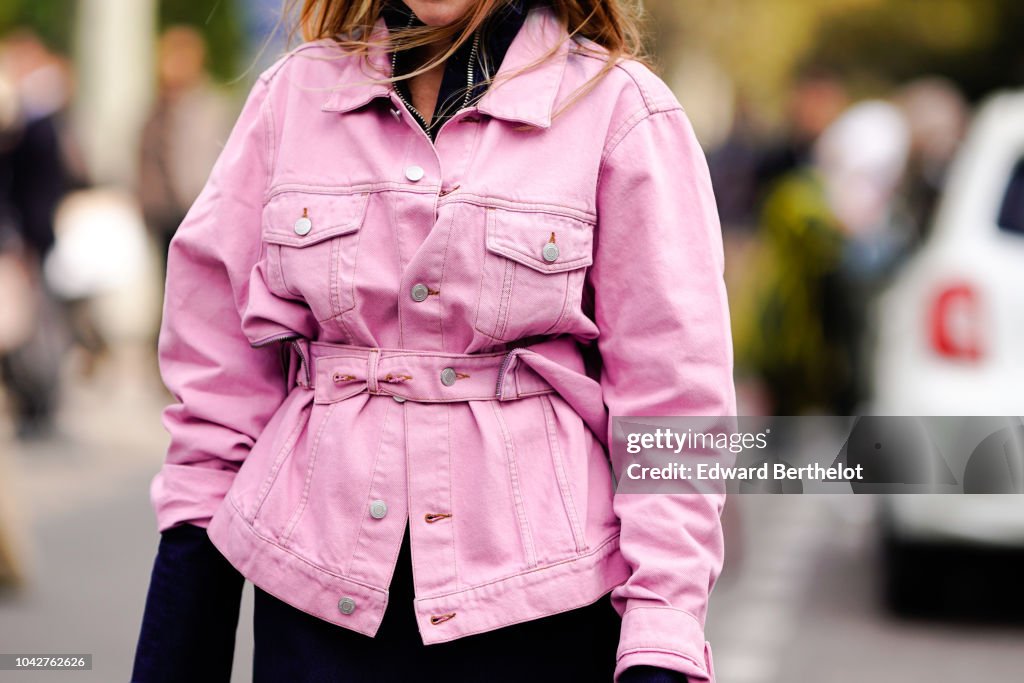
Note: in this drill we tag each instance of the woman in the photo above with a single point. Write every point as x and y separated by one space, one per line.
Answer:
468 270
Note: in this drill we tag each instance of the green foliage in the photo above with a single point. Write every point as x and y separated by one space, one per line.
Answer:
762 43
52 20
221 25
218 20
973 42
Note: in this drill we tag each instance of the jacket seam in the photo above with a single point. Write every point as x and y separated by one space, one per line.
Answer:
272 71
314 452
560 476
285 452
494 201
269 141
652 104
369 491
663 607
471 632
568 560
623 131
448 492
662 650
357 188
266 539
529 548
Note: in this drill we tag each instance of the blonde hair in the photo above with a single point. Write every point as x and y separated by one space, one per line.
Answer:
613 25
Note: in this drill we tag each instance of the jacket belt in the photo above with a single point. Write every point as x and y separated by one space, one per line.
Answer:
335 372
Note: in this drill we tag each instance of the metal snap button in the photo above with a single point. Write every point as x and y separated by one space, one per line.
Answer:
378 509
550 252
303 225
419 292
399 399
414 173
346 605
448 377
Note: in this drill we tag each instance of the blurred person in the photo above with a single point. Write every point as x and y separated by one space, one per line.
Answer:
863 160
439 240
816 98
832 232
183 133
33 173
746 169
15 327
938 114
734 167
33 179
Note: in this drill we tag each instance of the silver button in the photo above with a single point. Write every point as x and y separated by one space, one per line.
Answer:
414 173
419 292
448 377
397 114
378 509
399 399
303 226
346 605
550 252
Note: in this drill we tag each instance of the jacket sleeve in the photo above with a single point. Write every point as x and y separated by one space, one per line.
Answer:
665 345
226 390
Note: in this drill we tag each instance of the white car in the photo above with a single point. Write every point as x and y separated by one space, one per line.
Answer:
950 341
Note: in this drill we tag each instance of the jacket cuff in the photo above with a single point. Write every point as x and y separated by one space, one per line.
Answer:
188 494
664 637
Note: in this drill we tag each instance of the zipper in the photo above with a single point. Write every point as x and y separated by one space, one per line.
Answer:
302 359
293 338
276 338
414 111
470 84
501 371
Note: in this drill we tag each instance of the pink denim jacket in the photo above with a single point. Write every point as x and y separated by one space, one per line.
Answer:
461 321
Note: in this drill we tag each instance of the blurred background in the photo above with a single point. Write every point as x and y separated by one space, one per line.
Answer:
868 159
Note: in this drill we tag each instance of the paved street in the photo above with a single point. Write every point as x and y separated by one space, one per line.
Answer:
800 604
796 603
92 536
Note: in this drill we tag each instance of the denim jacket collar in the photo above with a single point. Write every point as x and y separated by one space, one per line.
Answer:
526 97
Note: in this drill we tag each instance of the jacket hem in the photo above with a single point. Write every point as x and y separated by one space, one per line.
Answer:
531 595
310 588
317 591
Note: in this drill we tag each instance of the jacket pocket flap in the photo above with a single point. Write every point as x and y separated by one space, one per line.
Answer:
546 242
299 219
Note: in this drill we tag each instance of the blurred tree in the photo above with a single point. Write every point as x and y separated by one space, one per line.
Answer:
975 43
761 44
220 22
52 20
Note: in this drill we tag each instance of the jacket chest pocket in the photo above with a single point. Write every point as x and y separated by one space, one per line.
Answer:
313 248
533 272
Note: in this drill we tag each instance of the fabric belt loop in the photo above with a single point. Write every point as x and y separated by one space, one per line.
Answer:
371 371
